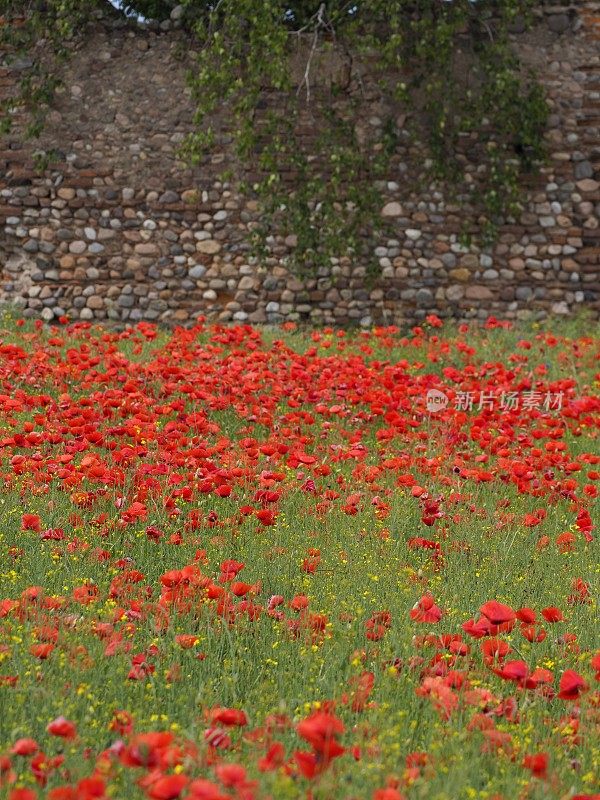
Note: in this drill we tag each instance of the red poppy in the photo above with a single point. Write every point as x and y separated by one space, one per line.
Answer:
495 648
62 727
273 759
586 797
231 775
572 685
308 764
201 789
266 517
25 747
425 610
63 793
299 602
228 716
41 651
168 787
526 615
187 640
595 664
122 723
537 763
497 613
22 794
31 522
552 614
217 738
387 794
321 730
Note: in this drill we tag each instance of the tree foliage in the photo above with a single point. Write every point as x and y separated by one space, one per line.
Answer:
295 82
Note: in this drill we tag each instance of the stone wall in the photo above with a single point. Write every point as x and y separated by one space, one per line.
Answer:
117 228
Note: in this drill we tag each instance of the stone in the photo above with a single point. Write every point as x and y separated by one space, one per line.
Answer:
78 247
146 249
523 293
169 197
478 293
95 302
569 265
460 274
66 193
177 13
190 196
470 260
392 209
197 272
558 23
582 170
208 246
588 185
424 297
455 292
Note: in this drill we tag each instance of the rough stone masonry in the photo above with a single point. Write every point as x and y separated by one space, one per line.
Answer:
119 229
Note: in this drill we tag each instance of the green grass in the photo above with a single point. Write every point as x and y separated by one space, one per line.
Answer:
366 564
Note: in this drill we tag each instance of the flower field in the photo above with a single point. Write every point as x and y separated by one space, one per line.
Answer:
242 563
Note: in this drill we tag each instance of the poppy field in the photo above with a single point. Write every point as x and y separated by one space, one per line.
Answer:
242 563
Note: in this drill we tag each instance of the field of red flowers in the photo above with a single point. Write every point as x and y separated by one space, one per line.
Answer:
244 564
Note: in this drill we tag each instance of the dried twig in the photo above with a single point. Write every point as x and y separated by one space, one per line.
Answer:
320 24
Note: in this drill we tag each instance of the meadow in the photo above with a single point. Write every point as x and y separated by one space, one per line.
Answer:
242 563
